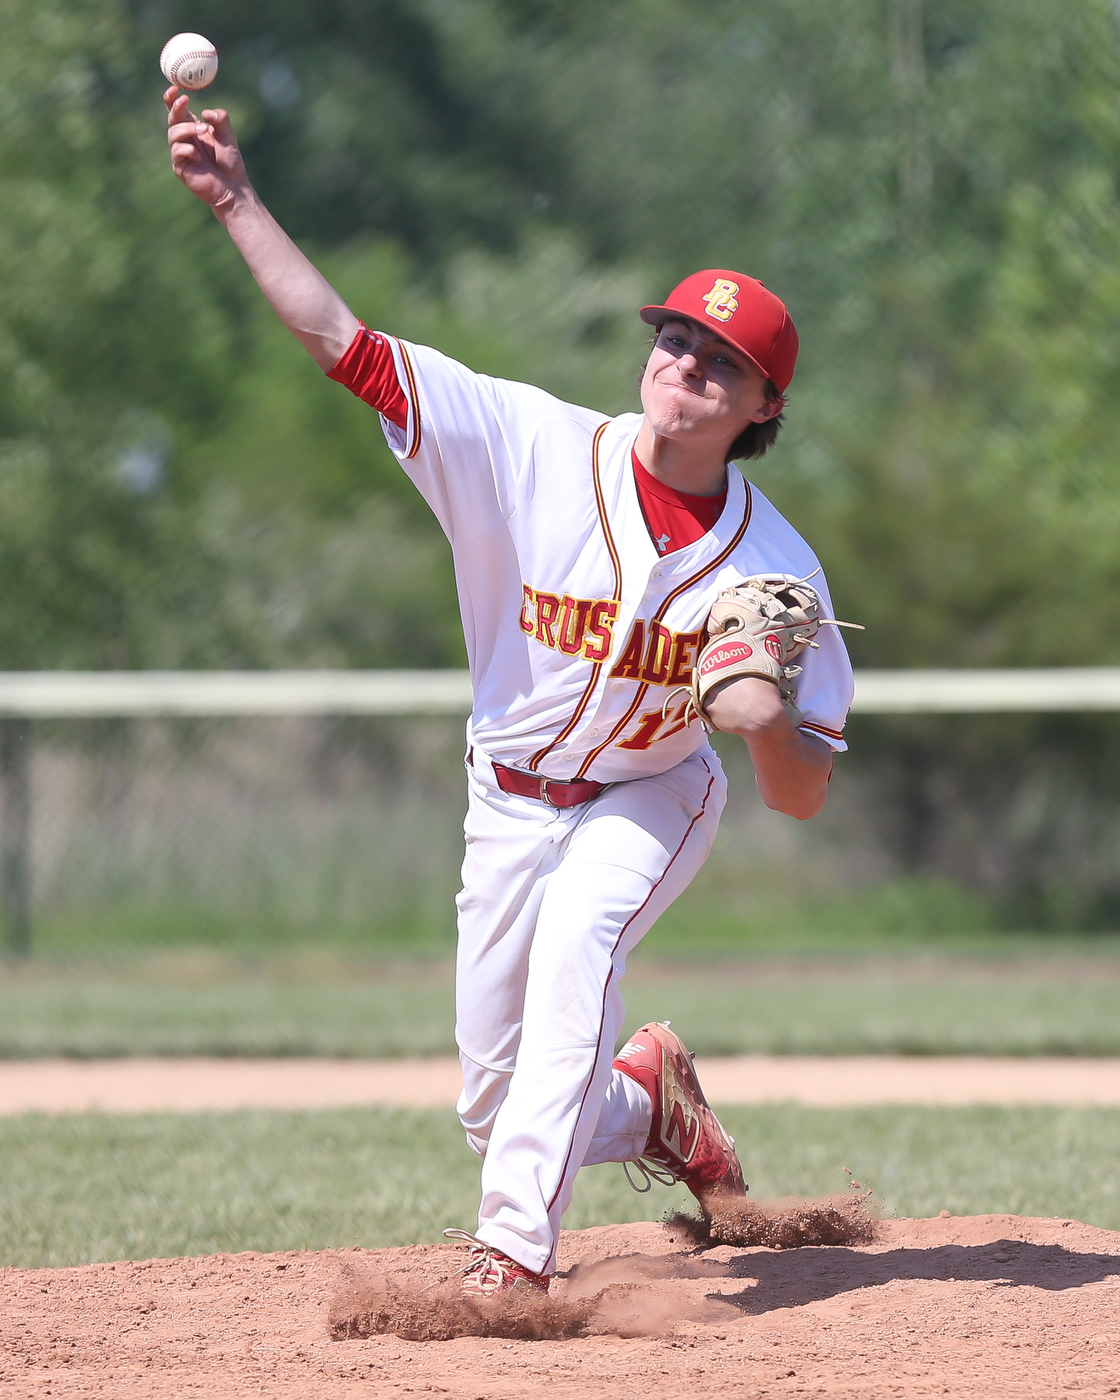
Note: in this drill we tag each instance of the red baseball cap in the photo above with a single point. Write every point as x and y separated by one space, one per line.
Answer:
741 311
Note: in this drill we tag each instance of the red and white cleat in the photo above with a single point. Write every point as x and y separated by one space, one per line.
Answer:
686 1139
489 1271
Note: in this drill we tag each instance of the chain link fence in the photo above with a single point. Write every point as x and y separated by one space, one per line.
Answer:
140 810
151 832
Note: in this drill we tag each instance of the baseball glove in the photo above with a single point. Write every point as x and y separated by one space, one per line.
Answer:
759 628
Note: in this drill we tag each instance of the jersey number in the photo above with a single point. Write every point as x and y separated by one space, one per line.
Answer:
655 726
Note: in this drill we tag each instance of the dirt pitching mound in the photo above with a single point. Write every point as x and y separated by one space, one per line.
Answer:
523 1315
626 1295
993 1307
839 1220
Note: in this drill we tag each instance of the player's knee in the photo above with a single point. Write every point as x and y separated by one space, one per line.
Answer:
475 1142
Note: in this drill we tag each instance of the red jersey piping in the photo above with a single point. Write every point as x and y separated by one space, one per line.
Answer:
413 401
612 550
837 734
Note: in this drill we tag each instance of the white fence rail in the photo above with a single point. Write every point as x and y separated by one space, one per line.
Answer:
89 694
974 692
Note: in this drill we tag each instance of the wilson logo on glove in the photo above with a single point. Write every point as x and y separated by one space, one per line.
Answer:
727 655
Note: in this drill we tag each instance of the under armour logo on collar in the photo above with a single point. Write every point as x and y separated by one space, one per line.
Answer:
662 543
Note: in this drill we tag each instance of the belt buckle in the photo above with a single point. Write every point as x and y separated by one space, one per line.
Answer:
543 794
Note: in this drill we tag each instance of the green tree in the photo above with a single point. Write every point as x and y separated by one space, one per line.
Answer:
118 332
930 184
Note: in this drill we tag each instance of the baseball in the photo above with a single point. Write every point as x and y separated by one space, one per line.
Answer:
189 61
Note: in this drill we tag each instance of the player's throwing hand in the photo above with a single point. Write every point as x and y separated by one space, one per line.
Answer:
204 151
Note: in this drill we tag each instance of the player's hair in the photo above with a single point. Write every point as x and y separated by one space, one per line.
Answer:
756 439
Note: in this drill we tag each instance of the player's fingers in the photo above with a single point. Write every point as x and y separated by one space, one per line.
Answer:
177 104
187 133
185 151
219 120
187 170
180 130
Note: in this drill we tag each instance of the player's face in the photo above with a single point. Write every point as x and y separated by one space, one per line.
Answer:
697 388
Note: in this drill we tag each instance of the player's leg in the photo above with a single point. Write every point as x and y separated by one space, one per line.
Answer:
513 844
634 850
623 1125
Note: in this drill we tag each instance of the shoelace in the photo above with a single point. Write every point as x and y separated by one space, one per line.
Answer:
649 1172
488 1262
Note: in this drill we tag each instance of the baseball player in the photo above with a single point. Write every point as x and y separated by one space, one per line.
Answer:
623 590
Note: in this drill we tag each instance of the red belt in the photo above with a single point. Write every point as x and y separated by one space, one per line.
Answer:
550 790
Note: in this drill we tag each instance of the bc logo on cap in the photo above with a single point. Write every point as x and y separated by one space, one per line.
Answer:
721 300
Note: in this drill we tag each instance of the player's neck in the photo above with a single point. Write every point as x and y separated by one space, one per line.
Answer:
696 470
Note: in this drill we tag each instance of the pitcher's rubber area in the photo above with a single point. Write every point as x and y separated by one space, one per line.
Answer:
992 1307
196 1085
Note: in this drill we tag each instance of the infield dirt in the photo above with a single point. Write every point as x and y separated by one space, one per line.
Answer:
980 1306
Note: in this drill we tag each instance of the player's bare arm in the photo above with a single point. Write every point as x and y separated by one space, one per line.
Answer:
205 156
791 769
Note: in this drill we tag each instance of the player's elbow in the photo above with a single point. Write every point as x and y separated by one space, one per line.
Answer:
800 795
797 788
801 806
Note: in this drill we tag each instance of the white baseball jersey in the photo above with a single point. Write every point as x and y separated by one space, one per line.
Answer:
577 631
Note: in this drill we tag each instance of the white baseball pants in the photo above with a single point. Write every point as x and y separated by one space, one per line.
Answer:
552 903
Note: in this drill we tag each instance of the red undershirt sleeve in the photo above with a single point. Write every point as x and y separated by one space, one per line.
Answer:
368 370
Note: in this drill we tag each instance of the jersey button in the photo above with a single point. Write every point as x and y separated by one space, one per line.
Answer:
594 733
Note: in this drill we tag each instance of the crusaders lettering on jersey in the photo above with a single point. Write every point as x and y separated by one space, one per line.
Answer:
661 658
575 626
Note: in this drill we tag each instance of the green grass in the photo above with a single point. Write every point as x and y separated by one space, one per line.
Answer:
316 1004
96 1187
404 911
207 1005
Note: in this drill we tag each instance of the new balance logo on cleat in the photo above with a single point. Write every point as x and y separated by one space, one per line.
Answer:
686 1139
679 1121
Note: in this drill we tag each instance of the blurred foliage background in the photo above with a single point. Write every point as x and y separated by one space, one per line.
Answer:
930 185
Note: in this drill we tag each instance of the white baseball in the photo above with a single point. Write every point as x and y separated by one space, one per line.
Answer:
189 61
